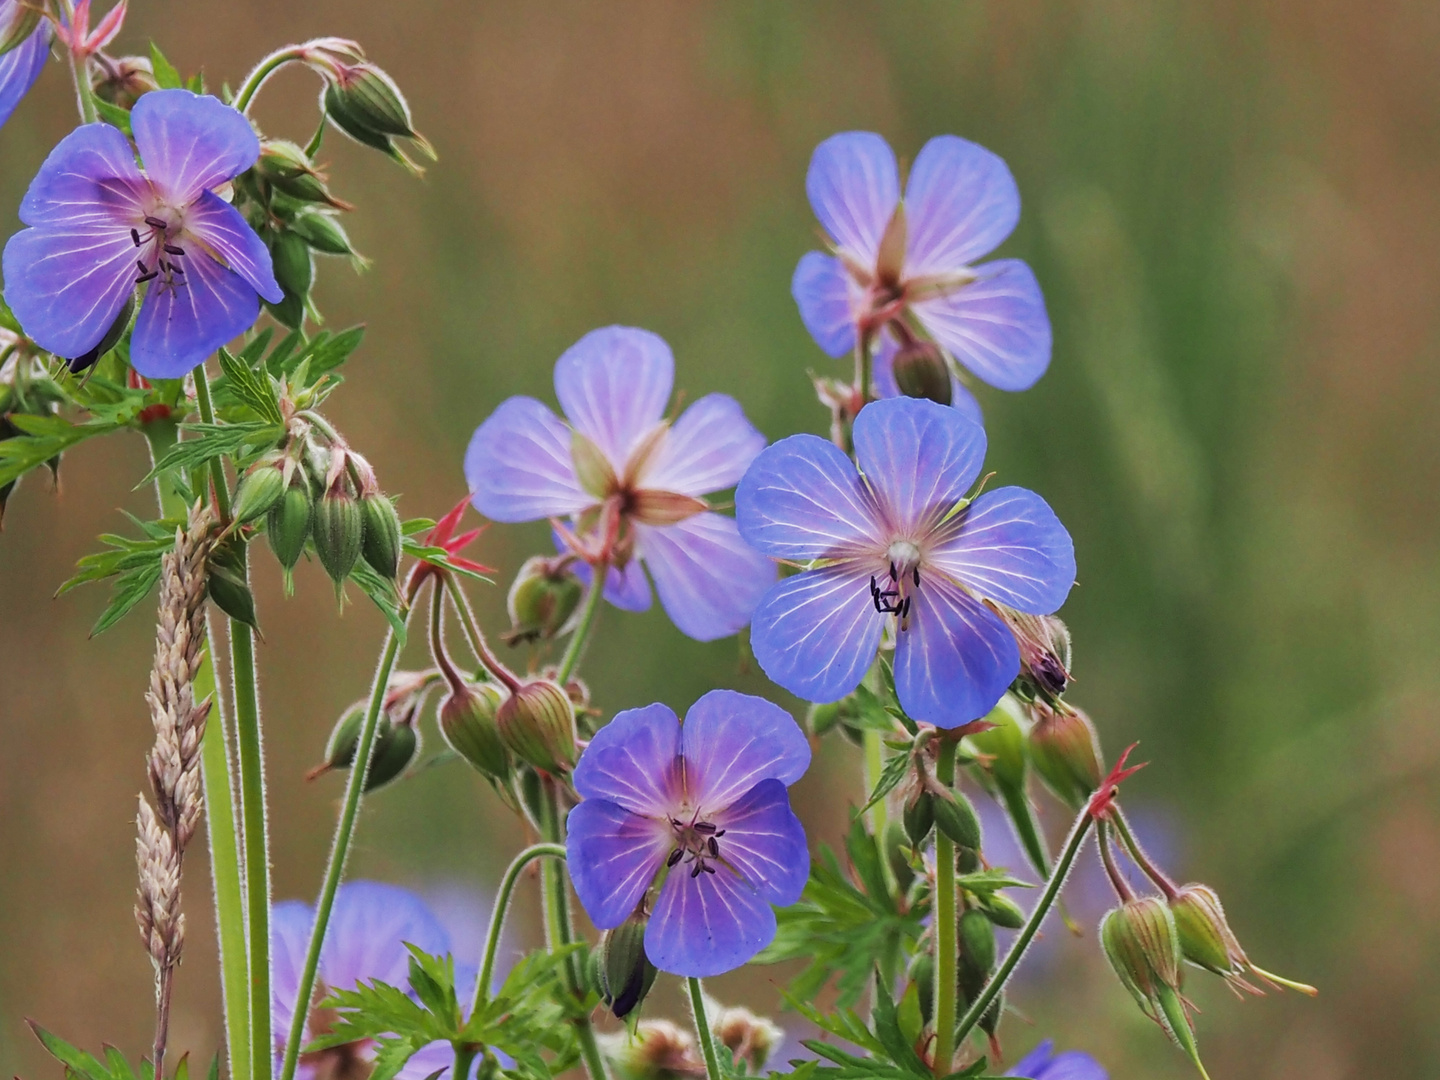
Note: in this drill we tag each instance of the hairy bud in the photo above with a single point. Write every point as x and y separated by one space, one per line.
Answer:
1066 753
228 582
921 972
366 104
921 371
1207 941
381 544
339 533
289 170
259 489
975 934
324 234
537 724
1044 643
894 844
918 815
626 973
956 818
543 597
1002 911
748 1037
396 744
658 1050
122 80
467 722
288 525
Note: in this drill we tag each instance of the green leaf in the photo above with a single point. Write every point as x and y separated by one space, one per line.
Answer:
119 1067
890 776
433 980
328 351
166 77
253 388
416 525
989 881
43 438
887 1029
77 1061
113 115
211 441
130 588
383 593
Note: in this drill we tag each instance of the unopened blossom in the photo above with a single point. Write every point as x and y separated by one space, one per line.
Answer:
904 270
897 541
1043 1063
702 809
625 486
21 66
100 228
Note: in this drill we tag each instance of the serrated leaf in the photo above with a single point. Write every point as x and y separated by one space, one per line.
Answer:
44 437
73 1058
212 441
130 588
887 1030
890 777
166 77
251 387
383 593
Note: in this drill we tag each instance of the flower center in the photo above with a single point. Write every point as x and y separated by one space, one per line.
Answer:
897 594
159 243
697 843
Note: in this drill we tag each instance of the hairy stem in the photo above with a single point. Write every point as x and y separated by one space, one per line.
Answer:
497 915
1142 860
576 646
702 1030
945 947
79 71
478 645
251 759
262 72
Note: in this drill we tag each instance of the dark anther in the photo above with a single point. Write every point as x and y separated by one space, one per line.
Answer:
143 268
905 607
151 276
720 833
704 827
156 223
707 868
894 574
135 235
173 250
675 856
696 871
914 573
714 848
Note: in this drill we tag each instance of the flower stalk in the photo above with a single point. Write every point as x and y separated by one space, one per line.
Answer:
702 1030
946 956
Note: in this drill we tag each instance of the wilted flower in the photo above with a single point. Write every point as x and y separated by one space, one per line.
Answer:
100 227
21 65
705 807
898 538
900 269
1043 1063
632 481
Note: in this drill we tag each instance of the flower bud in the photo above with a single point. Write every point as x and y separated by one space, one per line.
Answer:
259 489
1004 745
1066 753
1143 946
626 972
294 269
659 1050
1002 911
975 935
228 581
956 818
339 533
920 371
921 972
288 525
1044 642
323 233
749 1038
396 744
364 102
467 721
381 544
543 597
289 170
122 81
1205 937
17 23
918 815
537 723
821 718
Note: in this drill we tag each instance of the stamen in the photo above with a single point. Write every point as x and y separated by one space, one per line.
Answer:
675 857
916 575
704 827
173 250
156 223
696 872
707 868
135 235
894 574
143 268
151 276
714 848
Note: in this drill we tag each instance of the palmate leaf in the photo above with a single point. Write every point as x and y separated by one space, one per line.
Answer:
890 777
135 565
42 438
214 440
253 389
80 1065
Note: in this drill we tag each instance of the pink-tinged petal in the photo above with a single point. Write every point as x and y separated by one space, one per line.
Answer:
613 856
960 203
625 586
883 375
816 633
802 499
854 186
732 742
19 68
765 841
290 925
190 143
708 449
90 178
67 284
228 235
996 326
919 458
1009 546
824 293
519 467
370 926
183 322
613 385
955 658
708 578
708 924
631 761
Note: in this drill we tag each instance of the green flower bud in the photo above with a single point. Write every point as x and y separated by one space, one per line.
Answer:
344 736
124 80
1002 911
967 860
395 746
467 721
1207 941
1066 753
339 533
259 489
919 816
626 971
821 718
1142 943
369 98
975 934
1004 745
228 581
956 818
894 843
749 1038
294 269
323 233
537 724
541 600
920 371
381 543
288 525
289 170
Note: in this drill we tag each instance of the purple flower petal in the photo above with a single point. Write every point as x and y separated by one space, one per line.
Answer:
955 659
708 578
613 855
960 203
613 385
883 376
370 926
732 742
90 178
190 142
708 449
816 633
435 1059
221 228
996 326
822 291
20 67
919 458
765 841
802 499
67 285
180 324
853 186
1009 546
625 586
290 924
1043 1063
519 466
708 924
631 761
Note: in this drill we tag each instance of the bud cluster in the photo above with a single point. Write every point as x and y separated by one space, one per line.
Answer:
363 101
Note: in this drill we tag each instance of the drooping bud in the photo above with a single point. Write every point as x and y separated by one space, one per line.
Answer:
364 102
289 170
288 525
259 489
921 371
921 972
294 268
339 533
1066 751
542 599
626 972
381 544
1002 911
537 724
1207 941
1044 642
975 934
956 818
121 81
918 815
228 581
395 746
323 233
467 721
748 1037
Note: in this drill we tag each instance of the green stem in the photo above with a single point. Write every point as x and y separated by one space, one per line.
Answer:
1032 926
79 72
218 483
576 646
1142 860
945 949
263 70
251 759
335 868
497 916
1023 817
702 1030
874 766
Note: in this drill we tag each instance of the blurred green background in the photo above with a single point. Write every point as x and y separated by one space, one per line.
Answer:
1232 210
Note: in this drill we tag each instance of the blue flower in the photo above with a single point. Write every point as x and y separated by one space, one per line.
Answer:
703 804
632 483
1043 1063
21 66
100 227
898 539
901 267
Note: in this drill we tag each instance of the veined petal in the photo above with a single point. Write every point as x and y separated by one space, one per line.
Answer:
191 142
708 578
996 326
732 742
613 385
631 761
920 458
613 856
221 227
290 925
519 466
765 841
960 203
708 449
67 284
20 67
883 375
803 499
822 291
854 186
816 633
707 924
955 659
370 926
183 322
90 178
1009 546
625 586
1043 1063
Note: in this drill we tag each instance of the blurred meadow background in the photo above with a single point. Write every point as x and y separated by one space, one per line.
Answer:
1232 210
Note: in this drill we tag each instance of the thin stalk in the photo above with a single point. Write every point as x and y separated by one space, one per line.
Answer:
576 646
497 915
79 72
251 759
262 72
340 848
874 766
1142 860
945 948
862 367
478 645
702 1030
1117 879
1032 926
